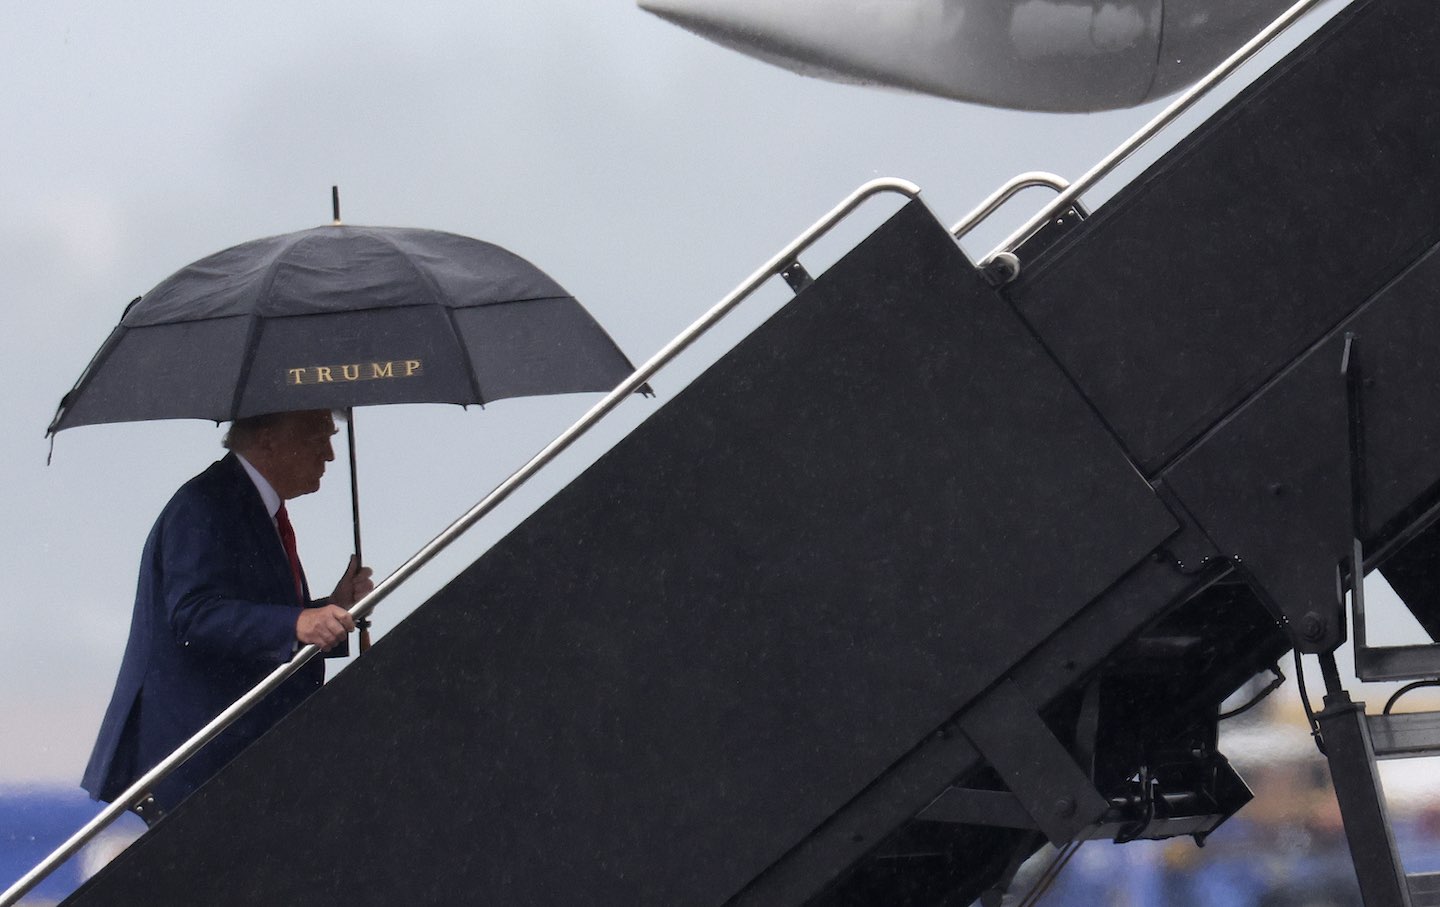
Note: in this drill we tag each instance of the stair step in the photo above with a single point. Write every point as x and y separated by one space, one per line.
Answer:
1424 889
1405 735
1385 663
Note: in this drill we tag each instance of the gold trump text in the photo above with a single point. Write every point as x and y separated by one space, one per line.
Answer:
355 371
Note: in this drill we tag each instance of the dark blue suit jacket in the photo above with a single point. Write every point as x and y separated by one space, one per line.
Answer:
215 613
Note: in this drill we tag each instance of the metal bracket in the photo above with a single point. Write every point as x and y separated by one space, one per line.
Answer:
149 810
1052 232
796 276
1042 775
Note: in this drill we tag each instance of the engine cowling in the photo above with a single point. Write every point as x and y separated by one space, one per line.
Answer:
1054 55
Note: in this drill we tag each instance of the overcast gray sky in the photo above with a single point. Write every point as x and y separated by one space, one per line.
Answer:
646 170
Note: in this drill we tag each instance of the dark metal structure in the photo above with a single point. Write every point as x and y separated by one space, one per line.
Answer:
927 571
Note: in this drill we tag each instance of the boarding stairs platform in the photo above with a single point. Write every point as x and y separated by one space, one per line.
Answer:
946 560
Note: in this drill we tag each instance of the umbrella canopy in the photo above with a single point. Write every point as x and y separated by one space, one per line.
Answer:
341 316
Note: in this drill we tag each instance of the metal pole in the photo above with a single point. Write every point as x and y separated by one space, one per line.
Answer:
354 479
1368 830
363 624
141 788
1148 131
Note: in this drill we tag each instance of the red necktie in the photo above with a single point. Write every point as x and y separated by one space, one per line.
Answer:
287 538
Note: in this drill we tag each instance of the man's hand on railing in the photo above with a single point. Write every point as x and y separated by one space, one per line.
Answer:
324 626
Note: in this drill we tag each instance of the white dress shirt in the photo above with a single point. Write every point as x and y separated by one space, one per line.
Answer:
268 494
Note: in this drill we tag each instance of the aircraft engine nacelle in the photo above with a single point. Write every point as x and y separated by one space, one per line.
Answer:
1055 55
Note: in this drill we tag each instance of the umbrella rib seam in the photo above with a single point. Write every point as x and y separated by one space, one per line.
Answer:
67 401
252 334
438 299
272 260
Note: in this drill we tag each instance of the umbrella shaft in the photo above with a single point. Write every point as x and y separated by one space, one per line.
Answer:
354 482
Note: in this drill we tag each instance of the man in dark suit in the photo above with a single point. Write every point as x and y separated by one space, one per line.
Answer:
221 603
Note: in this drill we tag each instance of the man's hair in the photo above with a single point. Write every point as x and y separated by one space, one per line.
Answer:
243 432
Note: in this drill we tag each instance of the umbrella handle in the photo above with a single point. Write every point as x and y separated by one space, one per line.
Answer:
364 622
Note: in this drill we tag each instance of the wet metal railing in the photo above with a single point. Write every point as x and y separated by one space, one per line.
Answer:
1004 194
138 791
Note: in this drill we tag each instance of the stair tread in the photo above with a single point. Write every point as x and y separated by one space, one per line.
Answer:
1424 889
1408 734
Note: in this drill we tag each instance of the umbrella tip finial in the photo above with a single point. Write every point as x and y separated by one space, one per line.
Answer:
335 203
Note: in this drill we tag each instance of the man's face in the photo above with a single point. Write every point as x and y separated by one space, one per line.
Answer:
299 445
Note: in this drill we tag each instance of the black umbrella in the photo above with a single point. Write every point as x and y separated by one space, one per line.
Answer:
341 316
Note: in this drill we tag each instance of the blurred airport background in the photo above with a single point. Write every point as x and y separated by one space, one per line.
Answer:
1285 849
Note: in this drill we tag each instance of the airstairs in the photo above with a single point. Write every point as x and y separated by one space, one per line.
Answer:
944 561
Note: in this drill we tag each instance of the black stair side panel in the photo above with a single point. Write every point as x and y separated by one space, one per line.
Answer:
1397 348
1271 487
1256 236
1271 483
709 642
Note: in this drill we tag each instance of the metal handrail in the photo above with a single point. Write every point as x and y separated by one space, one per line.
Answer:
138 791
1148 131
1002 195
